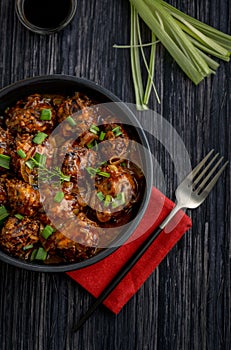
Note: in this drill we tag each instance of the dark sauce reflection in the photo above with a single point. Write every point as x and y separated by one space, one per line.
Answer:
47 13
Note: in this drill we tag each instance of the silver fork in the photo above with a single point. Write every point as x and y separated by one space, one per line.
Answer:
192 191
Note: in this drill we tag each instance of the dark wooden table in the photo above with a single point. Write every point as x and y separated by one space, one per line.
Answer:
185 304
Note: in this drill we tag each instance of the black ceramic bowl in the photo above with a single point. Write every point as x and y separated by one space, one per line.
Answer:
62 84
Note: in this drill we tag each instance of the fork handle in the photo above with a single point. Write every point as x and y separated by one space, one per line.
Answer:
173 212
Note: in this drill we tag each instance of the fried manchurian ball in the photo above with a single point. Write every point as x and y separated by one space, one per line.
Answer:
26 117
18 235
22 197
74 242
3 193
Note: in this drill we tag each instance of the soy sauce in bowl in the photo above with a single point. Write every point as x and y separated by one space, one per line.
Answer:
45 16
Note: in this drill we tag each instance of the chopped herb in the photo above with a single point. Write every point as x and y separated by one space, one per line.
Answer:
100 196
39 138
119 200
107 200
46 114
4 161
47 231
103 173
93 144
28 247
30 164
33 254
21 153
94 129
92 171
70 121
117 131
59 197
3 213
19 216
40 158
102 135
41 254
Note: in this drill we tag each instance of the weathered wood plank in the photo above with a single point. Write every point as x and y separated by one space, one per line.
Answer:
186 303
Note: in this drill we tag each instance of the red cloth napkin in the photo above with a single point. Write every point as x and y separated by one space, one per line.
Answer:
96 277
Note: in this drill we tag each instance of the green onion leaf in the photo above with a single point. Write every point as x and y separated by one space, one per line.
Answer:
40 158
39 138
30 164
28 247
59 197
102 135
19 216
107 200
94 129
119 200
117 131
103 173
47 231
100 196
3 213
92 171
70 121
33 254
4 161
21 153
41 254
46 114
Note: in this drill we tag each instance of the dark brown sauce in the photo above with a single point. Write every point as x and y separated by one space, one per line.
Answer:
46 13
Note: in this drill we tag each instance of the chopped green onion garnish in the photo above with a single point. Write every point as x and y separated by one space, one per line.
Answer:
119 200
102 135
107 200
59 197
33 254
41 254
93 144
21 153
5 161
70 121
28 247
3 212
100 196
92 171
39 138
117 131
103 173
19 216
94 129
46 114
47 231
30 164
40 158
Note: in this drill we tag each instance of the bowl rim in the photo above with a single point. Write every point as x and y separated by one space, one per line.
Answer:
86 84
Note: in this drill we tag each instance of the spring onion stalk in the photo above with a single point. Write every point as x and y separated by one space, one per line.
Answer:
135 62
190 42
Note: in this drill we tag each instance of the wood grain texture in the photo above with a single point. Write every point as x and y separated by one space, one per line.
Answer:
186 302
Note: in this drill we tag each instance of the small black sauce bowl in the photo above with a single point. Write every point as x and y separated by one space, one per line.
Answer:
19 8
64 84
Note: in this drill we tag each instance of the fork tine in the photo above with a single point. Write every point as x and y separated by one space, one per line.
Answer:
199 177
205 181
213 181
195 171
